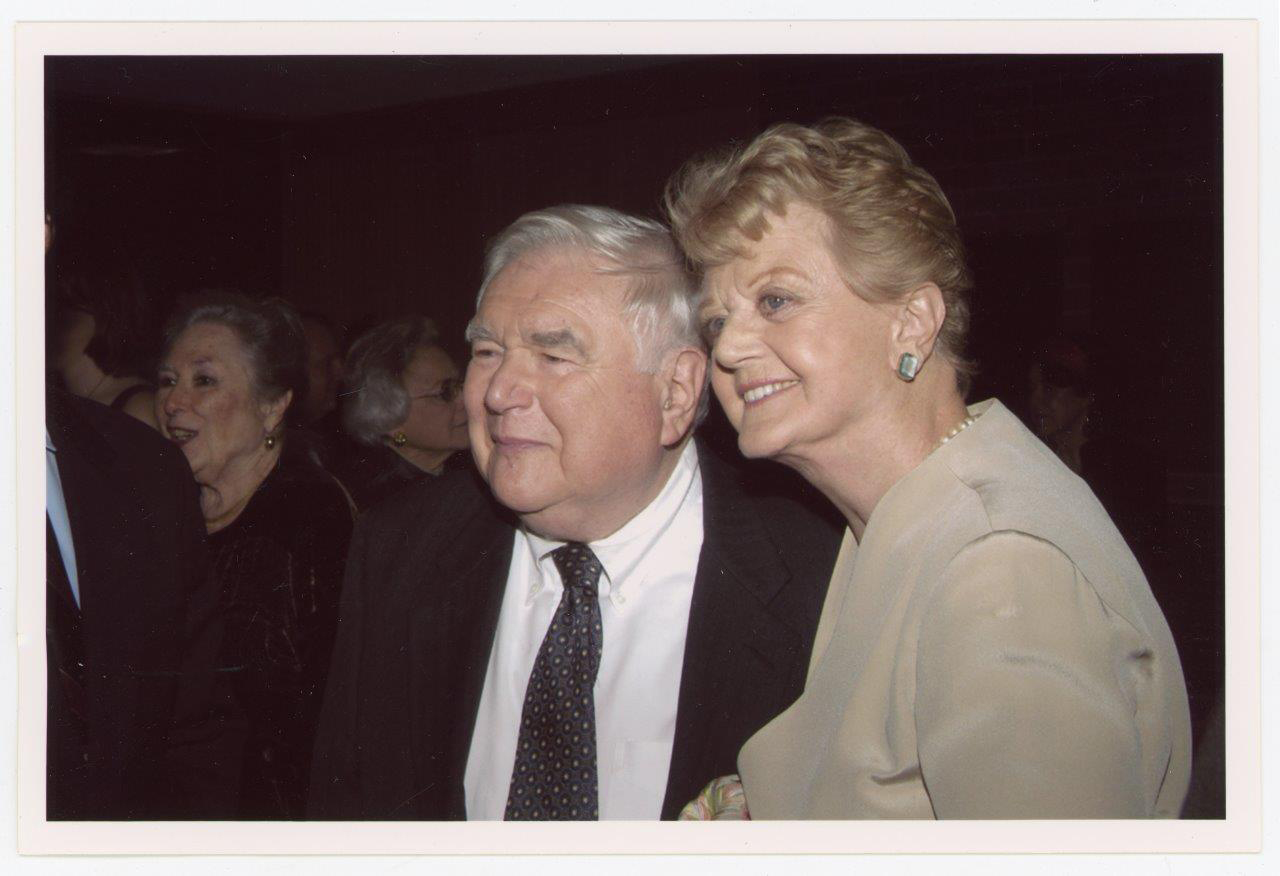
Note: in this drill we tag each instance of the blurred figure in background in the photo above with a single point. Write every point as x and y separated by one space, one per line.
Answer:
102 337
278 524
324 371
1121 466
403 404
1060 398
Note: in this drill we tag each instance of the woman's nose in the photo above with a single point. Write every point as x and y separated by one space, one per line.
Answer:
734 345
174 399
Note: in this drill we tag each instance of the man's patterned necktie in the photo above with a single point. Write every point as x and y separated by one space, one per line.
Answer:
555 777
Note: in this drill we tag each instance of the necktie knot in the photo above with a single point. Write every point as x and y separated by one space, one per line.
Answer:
579 567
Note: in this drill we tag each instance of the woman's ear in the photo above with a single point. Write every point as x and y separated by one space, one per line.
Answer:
273 411
683 381
917 320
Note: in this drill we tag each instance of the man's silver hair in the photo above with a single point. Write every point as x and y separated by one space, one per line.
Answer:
662 299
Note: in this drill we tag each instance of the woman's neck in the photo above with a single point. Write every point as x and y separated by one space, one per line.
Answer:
225 497
430 461
858 466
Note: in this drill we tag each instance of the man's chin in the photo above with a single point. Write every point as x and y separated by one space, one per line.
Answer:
515 495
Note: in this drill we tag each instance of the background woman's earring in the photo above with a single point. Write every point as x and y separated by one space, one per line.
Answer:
908 367
400 439
270 441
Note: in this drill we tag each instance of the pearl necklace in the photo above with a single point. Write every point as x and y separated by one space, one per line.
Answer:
964 424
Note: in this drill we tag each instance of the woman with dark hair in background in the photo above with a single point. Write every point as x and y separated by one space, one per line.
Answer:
104 326
403 404
989 647
278 524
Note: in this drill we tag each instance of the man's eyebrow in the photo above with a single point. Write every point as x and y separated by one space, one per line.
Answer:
477 332
558 338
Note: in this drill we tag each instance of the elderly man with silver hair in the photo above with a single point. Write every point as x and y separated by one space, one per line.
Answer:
591 627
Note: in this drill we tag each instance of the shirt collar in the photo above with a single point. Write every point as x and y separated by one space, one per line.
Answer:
620 554
48 441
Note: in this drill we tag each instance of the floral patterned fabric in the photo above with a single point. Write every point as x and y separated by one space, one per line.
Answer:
721 800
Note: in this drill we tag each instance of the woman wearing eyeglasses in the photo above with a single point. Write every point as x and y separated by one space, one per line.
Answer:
402 402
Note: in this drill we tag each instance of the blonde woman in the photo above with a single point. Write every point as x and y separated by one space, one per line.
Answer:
989 647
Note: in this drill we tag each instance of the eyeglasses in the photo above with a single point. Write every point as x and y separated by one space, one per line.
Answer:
450 388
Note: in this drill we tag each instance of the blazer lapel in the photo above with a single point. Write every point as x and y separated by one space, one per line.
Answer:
738 649
451 629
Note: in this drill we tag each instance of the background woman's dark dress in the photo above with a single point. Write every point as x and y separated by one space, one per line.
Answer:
372 473
279 566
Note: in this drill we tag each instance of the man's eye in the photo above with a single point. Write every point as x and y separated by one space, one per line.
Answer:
166 380
204 380
483 353
553 359
712 327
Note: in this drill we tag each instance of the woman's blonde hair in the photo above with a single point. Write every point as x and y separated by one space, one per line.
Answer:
892 228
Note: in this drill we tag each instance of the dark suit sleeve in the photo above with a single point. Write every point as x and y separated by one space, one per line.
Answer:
208 731
335 771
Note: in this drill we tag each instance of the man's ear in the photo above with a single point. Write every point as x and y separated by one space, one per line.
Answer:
683 382
273 411
916 322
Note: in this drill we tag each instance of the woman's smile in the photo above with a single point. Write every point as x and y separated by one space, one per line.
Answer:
760 392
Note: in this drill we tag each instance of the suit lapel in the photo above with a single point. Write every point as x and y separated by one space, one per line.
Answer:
451 629
84 460
56 578
64 639
736 643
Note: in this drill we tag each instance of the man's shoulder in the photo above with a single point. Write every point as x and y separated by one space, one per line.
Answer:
781 499
114 440
436 508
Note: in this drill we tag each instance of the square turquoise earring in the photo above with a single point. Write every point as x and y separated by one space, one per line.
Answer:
908 367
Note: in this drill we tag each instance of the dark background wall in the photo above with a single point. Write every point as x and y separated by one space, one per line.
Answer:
1089 190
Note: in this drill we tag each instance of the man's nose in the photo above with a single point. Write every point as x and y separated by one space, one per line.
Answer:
510 386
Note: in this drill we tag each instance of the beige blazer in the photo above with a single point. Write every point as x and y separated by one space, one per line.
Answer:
990 649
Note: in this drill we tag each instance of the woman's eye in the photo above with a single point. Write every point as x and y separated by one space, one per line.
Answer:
166 380
771 303
204 380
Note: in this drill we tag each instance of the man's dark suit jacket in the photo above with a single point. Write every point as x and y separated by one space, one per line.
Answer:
424 585
133 726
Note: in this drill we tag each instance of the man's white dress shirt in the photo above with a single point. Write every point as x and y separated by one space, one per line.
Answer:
56 509
645 591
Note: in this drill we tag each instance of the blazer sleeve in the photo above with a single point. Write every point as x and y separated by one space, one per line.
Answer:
1022 709
334 791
